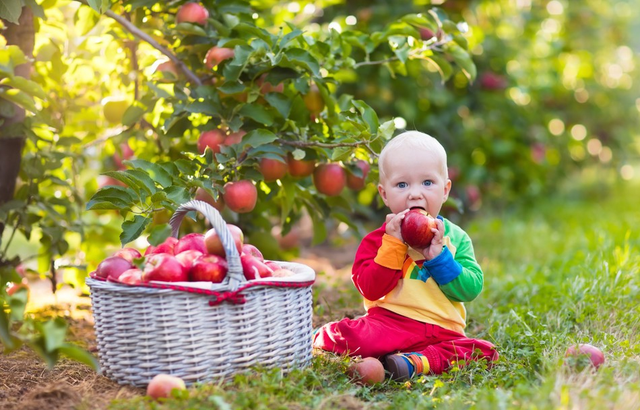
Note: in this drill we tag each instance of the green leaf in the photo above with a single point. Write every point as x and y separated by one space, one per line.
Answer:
257 113
20 98
280 102
131 229
443 66
30 87
319 228
287 38
303 59
158 234
99 5
254 32
9 341
368 115
54 332
85 19
463 59
258 137
132 115
10 57
80 355
135 178
112 197
155 171
11 10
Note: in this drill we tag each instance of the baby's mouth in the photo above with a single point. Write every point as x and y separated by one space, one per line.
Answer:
417 207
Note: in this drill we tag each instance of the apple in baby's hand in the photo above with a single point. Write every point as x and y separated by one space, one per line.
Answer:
164 267
209 268
254 268
112 267
595 355
128 253
192 241
253 251
416 228
131 276
162 385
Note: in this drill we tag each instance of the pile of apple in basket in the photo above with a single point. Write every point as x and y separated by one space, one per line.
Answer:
195 257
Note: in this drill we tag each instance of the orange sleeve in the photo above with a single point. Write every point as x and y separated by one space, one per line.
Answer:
391 253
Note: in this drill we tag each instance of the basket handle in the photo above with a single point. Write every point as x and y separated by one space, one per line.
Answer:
235 276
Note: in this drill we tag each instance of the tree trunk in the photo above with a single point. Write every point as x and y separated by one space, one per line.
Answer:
23 36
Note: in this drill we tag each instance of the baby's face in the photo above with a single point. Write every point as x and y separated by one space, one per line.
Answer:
414 178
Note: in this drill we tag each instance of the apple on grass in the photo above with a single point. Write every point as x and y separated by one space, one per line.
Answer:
416 228
162 385
214 244
112 267
368 370
209 268
594 355
164 267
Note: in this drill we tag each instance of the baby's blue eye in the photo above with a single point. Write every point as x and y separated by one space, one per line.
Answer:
427 183
402 184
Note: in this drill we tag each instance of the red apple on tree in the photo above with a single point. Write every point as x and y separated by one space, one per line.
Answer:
216 55
162 385
164 267
209 268
112 267
234 137
416 228
240 196
192 13
214 244
329 178
300 168
166 71
272 169
595 355
212 139
202 195
356 182
192 241
127 153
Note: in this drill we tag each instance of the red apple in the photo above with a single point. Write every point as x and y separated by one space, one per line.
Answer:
273 265
165 247
253 251
127 153
594 354
208 268
192 13
192 241
253 268
425 33
128 253
162 385
216 55
202 195
212 139
329 179
240 196
416 228
492 81
187 258
267 87
214 245
368 371
355 182
272 169
131 276
300 168
282 273
105 181
234 138
164 267
112 267
166 71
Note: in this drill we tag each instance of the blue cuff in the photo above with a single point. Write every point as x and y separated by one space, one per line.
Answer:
443 268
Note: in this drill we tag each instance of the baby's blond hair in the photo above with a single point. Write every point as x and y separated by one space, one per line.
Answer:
409 140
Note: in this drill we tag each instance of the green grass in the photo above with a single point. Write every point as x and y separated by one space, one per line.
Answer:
559 272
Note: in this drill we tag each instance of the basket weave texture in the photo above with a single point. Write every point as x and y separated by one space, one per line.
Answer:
143 331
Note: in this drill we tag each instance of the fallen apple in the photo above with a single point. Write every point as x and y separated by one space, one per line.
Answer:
416 228
595 355
368 370
112 267
214 245
192 241
164 267
209 268
162 385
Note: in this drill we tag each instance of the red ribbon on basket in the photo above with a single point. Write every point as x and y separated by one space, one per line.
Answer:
233 297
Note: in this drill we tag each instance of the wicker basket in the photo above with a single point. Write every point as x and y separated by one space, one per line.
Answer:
203 333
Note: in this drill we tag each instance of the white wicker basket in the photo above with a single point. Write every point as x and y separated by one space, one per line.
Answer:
200 334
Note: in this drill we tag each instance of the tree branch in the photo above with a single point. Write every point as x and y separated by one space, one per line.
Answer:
304 144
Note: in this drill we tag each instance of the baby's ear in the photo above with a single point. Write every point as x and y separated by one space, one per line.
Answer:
383 194
447 189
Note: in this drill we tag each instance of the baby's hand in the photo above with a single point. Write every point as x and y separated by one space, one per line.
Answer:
393 224
437 243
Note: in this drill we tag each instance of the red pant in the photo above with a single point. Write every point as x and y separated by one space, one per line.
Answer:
381 332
